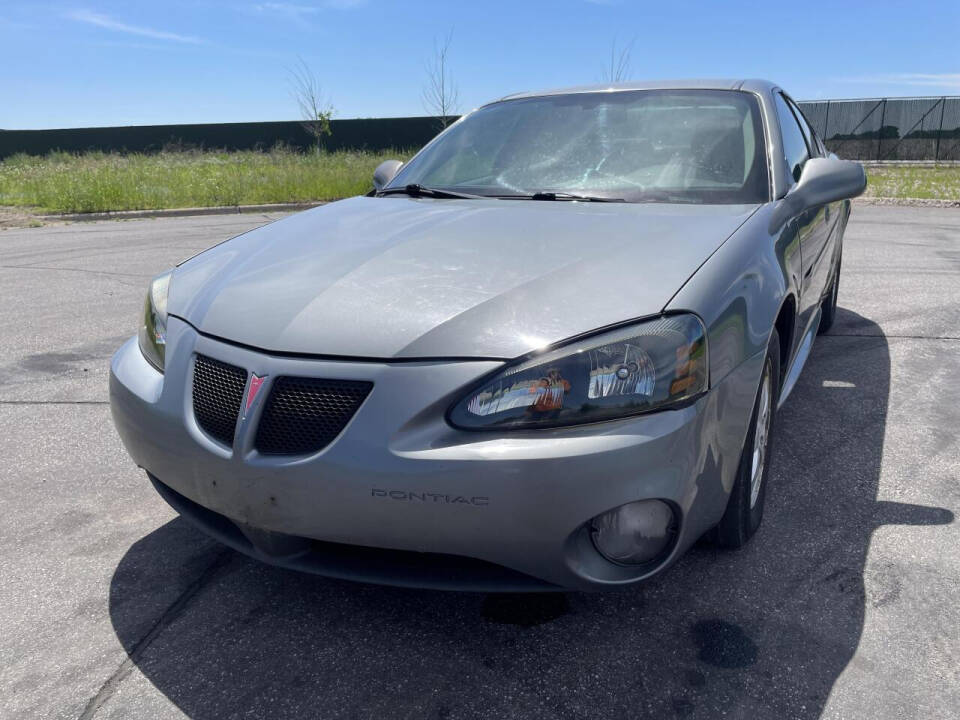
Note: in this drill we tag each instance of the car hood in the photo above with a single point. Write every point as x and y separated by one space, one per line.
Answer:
400 277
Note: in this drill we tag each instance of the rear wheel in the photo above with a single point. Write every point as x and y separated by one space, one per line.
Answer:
828 309
745 507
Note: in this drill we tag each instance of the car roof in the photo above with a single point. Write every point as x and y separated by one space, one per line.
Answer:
752 85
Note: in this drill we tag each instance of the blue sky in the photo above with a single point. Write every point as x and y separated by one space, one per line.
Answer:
96 62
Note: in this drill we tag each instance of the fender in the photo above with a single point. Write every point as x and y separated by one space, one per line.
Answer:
740 290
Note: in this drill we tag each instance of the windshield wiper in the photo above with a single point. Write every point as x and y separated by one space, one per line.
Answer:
544 195
415 190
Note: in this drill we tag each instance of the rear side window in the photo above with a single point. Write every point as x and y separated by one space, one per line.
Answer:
794 144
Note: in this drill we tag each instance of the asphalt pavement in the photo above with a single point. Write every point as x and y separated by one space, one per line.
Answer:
845 605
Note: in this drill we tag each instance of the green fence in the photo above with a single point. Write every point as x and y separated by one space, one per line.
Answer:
916 128
370 134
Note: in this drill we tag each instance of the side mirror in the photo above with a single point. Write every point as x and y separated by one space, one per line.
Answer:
824 180
384 173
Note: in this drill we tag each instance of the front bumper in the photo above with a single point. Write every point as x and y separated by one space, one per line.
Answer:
399 478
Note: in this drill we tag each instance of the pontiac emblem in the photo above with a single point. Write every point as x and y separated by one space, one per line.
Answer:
256 382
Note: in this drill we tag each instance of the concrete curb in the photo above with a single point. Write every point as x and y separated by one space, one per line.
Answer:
179 212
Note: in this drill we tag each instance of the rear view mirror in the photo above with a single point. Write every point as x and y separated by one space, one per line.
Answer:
384 173
824 180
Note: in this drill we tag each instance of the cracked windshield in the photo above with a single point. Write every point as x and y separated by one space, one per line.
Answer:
639 146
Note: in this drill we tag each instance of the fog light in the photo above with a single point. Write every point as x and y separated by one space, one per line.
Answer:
634 533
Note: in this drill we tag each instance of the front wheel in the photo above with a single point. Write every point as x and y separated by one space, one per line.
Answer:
745 507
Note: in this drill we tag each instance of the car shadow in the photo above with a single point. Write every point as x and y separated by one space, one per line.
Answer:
763 632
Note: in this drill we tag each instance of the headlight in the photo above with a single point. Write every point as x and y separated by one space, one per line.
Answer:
653 365
153 329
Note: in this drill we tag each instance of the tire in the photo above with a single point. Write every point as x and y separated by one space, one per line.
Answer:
745 506
828 308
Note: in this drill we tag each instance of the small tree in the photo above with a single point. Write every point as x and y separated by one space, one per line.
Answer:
440 94
619 69
315 110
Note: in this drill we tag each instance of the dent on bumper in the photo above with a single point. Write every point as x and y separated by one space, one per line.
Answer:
400 478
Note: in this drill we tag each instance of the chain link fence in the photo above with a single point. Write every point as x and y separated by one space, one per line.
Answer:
878 129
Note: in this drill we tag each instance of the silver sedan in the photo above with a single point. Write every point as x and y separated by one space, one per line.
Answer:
547 352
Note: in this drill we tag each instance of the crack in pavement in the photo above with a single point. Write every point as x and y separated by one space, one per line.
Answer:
163 622
70 269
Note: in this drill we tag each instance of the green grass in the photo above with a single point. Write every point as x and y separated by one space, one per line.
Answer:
92 182
935 183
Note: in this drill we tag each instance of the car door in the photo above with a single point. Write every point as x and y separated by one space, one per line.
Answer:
809 225
827 237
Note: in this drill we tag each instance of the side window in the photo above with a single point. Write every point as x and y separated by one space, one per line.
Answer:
813 142
794 144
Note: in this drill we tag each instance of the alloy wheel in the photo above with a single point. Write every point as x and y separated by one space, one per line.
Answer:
761 436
